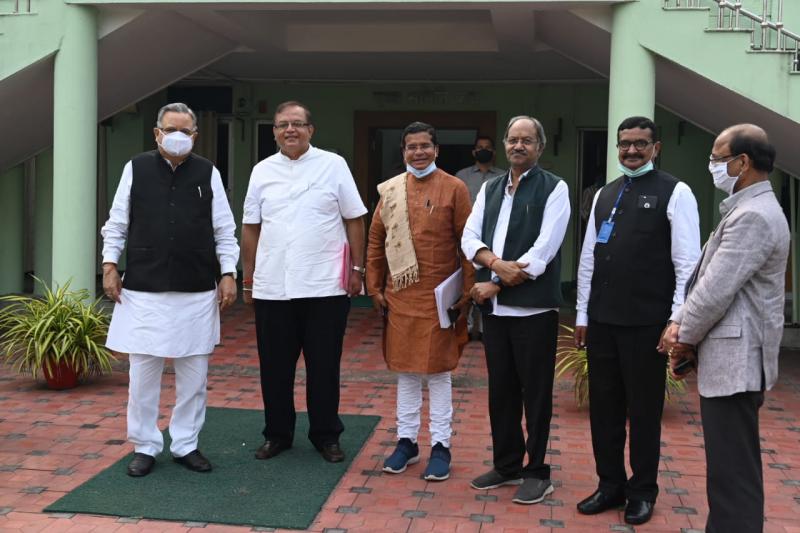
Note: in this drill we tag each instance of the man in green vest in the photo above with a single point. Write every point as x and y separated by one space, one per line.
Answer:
513 237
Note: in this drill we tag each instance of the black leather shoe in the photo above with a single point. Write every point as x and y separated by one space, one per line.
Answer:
271 448
638 511
600 501
141 464
331 452
194 461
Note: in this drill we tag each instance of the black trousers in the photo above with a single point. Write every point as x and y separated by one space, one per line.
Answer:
735 484
627 377
284 328
520 359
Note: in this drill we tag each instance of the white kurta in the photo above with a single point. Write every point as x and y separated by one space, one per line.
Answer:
167 324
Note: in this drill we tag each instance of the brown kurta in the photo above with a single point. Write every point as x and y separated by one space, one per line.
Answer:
438 207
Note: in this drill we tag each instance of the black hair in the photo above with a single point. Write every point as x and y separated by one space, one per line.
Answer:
483 138
642 123
293 103
757 147
419 127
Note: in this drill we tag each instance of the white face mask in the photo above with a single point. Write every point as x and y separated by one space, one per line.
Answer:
421 173
644 169
722 180
176 143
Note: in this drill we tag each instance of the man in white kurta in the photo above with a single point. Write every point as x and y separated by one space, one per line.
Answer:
172 212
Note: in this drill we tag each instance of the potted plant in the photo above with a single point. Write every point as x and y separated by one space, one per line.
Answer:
572 360
60 333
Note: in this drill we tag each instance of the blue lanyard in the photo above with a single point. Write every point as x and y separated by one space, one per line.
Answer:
627 182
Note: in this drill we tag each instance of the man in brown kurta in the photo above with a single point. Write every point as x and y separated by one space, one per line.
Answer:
414 245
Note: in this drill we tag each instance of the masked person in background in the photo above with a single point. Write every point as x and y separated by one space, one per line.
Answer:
642 241
474 176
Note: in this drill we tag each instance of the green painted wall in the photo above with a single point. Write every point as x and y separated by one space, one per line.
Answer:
43 218
11 224
30 38
684 154
676 36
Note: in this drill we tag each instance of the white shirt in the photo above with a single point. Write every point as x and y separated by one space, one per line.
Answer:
685 236
167 324
300 205
554 225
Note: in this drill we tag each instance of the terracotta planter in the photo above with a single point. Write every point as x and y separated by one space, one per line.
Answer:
63 376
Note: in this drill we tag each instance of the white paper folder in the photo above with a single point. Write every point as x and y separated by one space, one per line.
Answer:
447 293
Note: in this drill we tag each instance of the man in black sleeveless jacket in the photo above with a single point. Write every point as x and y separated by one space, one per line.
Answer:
641 244
514 236
171 213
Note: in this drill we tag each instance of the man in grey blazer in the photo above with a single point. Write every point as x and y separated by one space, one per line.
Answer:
732 320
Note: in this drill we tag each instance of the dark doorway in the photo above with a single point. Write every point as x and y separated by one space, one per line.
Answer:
223 152
265 141
592 145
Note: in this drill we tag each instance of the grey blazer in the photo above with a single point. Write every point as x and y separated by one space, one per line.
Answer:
733 312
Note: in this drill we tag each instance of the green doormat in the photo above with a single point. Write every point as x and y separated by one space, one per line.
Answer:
286 491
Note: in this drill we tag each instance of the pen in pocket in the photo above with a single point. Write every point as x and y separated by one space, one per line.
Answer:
199 192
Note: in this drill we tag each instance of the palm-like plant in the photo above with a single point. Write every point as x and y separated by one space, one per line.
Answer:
62 326
572 360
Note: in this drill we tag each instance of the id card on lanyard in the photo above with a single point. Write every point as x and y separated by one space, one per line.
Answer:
608 225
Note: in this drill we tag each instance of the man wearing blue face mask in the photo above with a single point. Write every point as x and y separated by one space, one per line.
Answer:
172 212
413 247
733 318
642 241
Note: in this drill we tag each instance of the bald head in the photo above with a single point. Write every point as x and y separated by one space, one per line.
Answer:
749 140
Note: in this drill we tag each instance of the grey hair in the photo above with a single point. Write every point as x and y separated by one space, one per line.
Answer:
176 107
536 124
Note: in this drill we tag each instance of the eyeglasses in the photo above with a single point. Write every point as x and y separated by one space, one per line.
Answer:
638 145
526 141
296 125
185 131
411 148
720 158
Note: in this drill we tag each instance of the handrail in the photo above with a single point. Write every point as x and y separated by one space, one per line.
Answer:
18 3
730 14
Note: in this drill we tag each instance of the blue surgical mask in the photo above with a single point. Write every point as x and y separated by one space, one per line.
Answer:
421 173
644 169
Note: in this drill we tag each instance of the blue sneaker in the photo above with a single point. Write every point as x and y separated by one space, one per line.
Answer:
406 453
439 464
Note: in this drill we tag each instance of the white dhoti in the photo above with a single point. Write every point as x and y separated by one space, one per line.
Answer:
152 327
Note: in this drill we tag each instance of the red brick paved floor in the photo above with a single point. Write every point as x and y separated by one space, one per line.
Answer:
50 442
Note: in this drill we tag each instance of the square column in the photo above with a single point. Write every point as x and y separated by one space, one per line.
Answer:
75 150
632 77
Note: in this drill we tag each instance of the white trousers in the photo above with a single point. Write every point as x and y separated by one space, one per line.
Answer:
440 408
144 394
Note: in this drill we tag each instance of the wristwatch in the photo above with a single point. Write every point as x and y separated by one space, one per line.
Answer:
360 270
231 274
496 280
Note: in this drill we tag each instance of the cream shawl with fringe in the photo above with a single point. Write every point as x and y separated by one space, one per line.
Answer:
400 254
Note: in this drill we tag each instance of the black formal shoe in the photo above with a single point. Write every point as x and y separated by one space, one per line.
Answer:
141 464
331 452
271 448
194 461
638 511
600 501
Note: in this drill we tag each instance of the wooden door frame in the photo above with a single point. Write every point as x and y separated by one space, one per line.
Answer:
484 121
